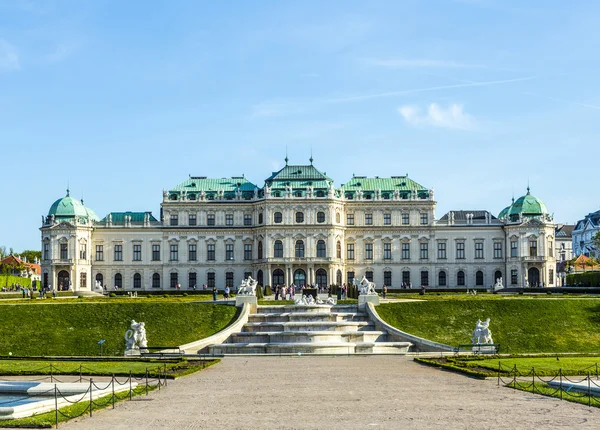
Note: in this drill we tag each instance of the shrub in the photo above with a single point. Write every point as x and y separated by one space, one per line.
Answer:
259 292
112 295
267 291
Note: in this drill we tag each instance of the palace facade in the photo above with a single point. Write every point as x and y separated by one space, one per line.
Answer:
297 227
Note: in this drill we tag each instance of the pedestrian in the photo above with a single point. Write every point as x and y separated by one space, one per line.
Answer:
226 295
214 291
277 291
384 292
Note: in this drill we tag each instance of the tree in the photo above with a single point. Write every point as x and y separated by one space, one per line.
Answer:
31 255
596 242
3 252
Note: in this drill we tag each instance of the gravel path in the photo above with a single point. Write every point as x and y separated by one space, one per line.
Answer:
388 392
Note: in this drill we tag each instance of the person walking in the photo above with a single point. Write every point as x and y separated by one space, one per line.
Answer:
226 295
214 291
384 291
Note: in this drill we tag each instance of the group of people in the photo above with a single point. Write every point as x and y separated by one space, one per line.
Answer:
284 292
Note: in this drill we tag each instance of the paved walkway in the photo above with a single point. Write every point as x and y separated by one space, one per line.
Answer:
389 392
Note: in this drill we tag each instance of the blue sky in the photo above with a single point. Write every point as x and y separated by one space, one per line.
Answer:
473 98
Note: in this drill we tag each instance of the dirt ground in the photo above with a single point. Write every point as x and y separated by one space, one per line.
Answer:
389 392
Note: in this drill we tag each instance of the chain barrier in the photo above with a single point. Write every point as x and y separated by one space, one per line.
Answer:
581 389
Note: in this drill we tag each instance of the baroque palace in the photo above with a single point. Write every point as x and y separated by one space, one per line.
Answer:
298 227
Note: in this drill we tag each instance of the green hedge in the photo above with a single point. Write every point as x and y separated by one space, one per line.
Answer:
7 281
591 278
75 327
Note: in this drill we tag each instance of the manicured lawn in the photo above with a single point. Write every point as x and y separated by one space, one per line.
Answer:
519 325
56 327
542 365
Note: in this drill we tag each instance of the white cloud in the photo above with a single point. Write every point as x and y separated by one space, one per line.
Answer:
9 58
451 117
420 63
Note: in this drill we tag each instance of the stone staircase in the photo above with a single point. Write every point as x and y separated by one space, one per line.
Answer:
317 329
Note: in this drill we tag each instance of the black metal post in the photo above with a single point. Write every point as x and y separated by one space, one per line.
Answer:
533 380
499 373
146 381
589 390
113 391
91 383
80 374
130 391
56 405
51 380
561 383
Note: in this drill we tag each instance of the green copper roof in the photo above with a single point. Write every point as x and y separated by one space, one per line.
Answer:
528 205
504 212
202 183
136 217
299 173
400 183
67 207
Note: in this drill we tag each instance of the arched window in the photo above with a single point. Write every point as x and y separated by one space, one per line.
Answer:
137 281
278 278
320 217
337 217
260 218
259 278
119 280
260 250
278 249
338 277
338 249
479 278
299 249
100 278
460 278
442 279
321 277
156 280
321 249
299 216
277 218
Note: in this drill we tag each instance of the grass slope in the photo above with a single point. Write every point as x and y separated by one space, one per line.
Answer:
519 325
74 328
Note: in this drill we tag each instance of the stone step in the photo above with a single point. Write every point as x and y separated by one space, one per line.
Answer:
256 327
308 317
313 309
311 348
308 337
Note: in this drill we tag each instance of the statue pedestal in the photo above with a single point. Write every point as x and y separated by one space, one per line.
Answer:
241 300
132 353
364 299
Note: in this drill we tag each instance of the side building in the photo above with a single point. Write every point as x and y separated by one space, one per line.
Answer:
583 235
297 228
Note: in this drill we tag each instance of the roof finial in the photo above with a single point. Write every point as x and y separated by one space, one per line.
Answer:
68 192
286 156
311 157
528 185
82 197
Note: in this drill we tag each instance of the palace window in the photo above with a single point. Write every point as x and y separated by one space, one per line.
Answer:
260 250
299 217
514 277
174 279
229 279
64 253
387 219
47 251
210 251
174 219
368 219
387 251
350 277
278 249
387 278
156 280
299 249
155 252
210 219
533 248
83 280
350 219
405 219
321 249
479 278
247 219
338 249
406 251
497 249
350 251
514 248
320 217
137 281
229 219
260 218
460 250
119 280
442 279
277 218
550 249
192 279
368 251
229 251
479 250
247 251
423 219
425 278
441 250
82 251
369 276
118 252
137 252
174 255
99 252
424 254
210 280
460 278
406 277
337 218
192 252
550 276
192 220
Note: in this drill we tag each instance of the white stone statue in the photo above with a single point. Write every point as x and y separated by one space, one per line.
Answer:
482 332
365 286
331 301
498 285
248 287
135 338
